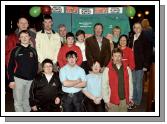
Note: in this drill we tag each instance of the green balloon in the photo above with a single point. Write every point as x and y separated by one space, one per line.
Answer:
130 11
35 11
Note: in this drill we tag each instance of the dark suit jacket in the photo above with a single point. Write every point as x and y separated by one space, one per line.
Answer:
93 52
142 51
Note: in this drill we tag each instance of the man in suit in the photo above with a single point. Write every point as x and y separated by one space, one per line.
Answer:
98 47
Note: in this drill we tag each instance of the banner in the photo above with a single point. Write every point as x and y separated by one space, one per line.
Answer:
86 11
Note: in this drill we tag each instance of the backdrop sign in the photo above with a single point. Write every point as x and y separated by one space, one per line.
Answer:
76 18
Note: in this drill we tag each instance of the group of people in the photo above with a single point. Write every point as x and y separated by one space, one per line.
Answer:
52 72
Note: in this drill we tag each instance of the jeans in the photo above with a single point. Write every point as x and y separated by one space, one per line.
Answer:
21 95
137 86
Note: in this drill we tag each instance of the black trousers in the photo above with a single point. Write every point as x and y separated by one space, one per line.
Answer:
72 102
90 106
48 108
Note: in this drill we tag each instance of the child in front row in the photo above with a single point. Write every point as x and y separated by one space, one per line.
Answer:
93 91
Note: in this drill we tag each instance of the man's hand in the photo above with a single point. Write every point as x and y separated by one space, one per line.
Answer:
109 105
34 108
144 69
57 100
12 85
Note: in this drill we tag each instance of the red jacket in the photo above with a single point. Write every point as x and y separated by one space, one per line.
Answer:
62 54
113 82
128 57
10 43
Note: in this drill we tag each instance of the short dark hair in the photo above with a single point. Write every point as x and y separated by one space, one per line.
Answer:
47 17
71 54
79 32
95 62
46 61
125 37
24 31
117 50
61 25
98 24
70 34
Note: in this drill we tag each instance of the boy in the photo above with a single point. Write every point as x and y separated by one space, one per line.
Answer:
116 84
73 79
22 68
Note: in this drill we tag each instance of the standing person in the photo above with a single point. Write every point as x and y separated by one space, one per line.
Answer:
116 32
62 60
13 38
128 59
115 83
62 32
93 90
142 55
45 91
47 42
73 79
22 68
80 37
98 47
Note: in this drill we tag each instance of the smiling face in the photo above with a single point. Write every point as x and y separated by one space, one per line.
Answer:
72 60
47 23
24 38
48 68
70 41
137 28
117 57
22 24
98 30
81 38
62 31
96 67
123 41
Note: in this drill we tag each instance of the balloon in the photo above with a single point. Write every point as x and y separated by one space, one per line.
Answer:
35 11
130 11
46 10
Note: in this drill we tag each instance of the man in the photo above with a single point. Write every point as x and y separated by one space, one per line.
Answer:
73 79
47 42
98 47
13 39
62 33
22 68
115 84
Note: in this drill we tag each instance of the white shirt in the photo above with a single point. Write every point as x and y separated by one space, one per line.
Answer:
48 77
81 45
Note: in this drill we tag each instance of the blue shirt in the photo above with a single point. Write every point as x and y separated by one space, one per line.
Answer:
71 73
94 84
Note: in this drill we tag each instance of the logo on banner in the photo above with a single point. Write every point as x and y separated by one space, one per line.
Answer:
101 10
115 10
71 9
86 11
58 9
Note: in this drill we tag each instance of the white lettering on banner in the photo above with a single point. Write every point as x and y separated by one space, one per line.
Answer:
58 9
115 10
86 11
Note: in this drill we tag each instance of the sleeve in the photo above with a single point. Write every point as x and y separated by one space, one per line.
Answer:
60 57
83 75
9 45
57 48
88 53
80 58
108 53
38 47
32 91
105 86
36 62
130 83
62 75
131 59
11 66
86 88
